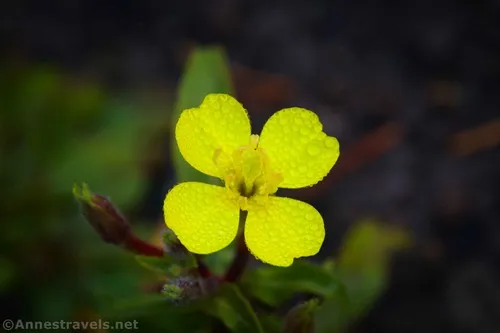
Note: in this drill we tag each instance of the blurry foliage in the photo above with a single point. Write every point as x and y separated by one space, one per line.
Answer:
234 310
54 131
275 285
362 266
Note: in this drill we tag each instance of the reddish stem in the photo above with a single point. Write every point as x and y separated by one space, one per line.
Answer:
239 263
203 269
141 247
241 257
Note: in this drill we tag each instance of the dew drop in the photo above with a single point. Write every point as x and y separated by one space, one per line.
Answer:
330 142
313 150
283 121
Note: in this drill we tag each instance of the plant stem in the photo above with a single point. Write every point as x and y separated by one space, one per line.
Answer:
203 269
138 246
242 256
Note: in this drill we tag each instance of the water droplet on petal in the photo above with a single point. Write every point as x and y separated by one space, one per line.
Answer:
330 142
313 150
283 120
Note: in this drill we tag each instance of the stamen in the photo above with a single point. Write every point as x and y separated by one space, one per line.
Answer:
247 173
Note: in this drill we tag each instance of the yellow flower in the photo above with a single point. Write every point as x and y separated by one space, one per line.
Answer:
291 152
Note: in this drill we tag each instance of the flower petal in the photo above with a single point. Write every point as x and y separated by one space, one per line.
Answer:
283 229
201 216
298 148
220 122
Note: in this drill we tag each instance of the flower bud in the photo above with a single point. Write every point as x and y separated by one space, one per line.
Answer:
106 220
300 319
182 290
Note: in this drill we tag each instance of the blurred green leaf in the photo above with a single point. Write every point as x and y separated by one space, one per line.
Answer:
300 319
369 245
166 265
274 285
55 301
333 315
219 261
158 265
364 260
233 309
7 273
362 267
108 156
271 323
55 130
157 314
206 72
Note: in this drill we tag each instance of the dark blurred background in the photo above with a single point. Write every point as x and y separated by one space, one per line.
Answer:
411 89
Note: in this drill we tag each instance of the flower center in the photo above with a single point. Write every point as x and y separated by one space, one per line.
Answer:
247 173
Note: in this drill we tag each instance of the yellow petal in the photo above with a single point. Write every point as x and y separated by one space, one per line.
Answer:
220 123
298 148
282 230
201 216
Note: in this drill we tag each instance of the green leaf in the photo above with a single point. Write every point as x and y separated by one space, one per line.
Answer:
369 245
206 72
219 261
156 314
7 273
300 319
362 267
364 260
271 323
108 157
231 307
333 316
274 285
166 265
